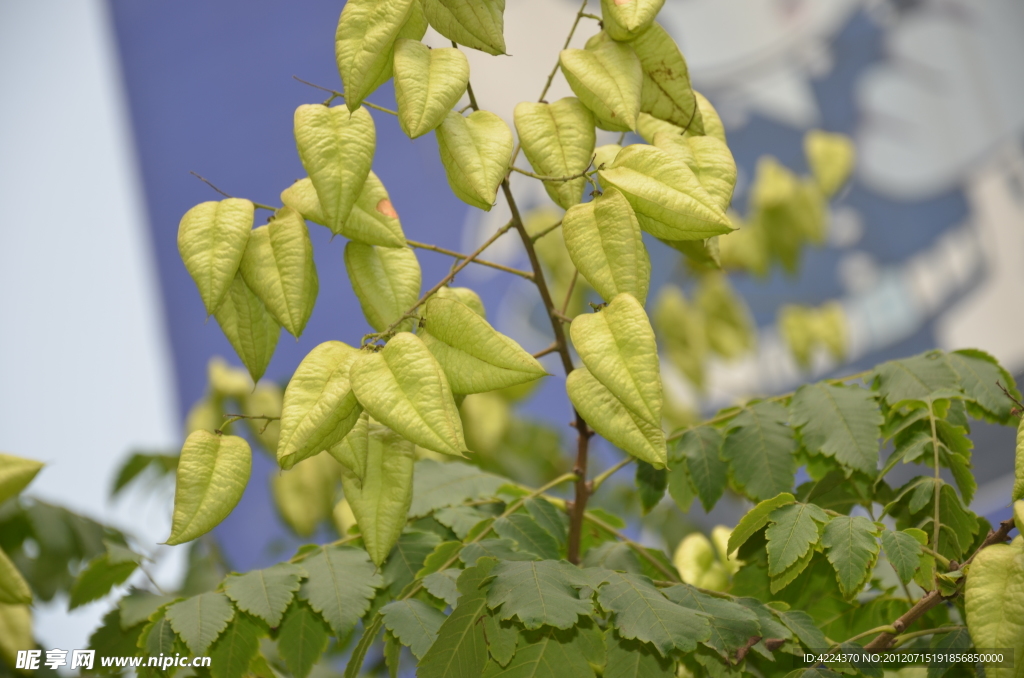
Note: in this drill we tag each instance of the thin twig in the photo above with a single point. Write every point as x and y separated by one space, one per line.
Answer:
228 195
338 95
544 232
572 31
622 137
599 479
1010 396
550 349
460 255
541 177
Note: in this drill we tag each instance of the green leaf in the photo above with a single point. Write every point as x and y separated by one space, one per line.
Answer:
558 140
715 168
478 24
994 601
265 593
212 237
392 654
428 84
405 388
730 329
915 378
212 475
755 520
15 474
365 42
699 449
555 521
643 613
442 585
546 654
625 20
528 534
386 281
538 593
111 638
852 548
839 422
437 485
302 639
502 638
712 122
831 158
607 78
138 606
958 641
759 448
980 375
249 327
681 329
14 590
234 651
604 242
904 552
460 650
414 623
407 558
440 557
1018 483
201 619
666 195
633 659
460 519
501 549
377 467
475 152
342 582
319 407
666 92
732 624
92 583
475 357
651 484
794 530
158 637
805 628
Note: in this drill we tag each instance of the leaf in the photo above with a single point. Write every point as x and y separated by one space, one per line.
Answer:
278 267
730 330
414 623
839 422
794 530
915 378
958 641
304 494
301 639
501 549
212 475
365 42
442 556
547 654
437 485
681 329
852 548
994 600
475 357
336 148
377 468
211 239
633 659
320 407
980 375
372 221
158 637
428 84
555 521
138 606
201 619
558 140
712 122
460 519
651 484
15 474
904 552
342 582
442 585
666 92
92 583
530 536
249 327
732 624
604 242
759 448
475 152
405 388
538 593
831 158
625 20
14 590
1018 483
607 78
643 613
407 558
478 24
699 449
460 650
805 628
502 638
234 651
111 638
386 281
265 593
466 296
666 195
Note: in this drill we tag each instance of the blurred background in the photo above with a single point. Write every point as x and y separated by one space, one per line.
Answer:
110 105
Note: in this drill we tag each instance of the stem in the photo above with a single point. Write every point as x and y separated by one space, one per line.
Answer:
942 560
936 527
568 293
545 231
257 205
460 255
550 349
339 95
900 640
640 550
541 177
572 31
599 480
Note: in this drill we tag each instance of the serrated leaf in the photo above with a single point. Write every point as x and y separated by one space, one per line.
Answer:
460 650
478 24
301 639
502 638
278 267
732 624
759 448
555 521
414 623
157 636
851 546
755 519
980 375
794 530
500 549
442 585
608 79
633 659
319 407
538 593
915 378
265 593
699 449
111 638
342 582
666 195
994 601
666 92
441 556
460 519
627 19
14 590
904 552
437 485
212 237
805 628
15 474
372 220
377 471
249 327
643 613
365 42
201 619
831 158
475 152
952 642
604 242
546 654
212 474
92 583
839 422
428 84
407 558
336 148
475 357
138 606
392 654
528 534
558 140
651 484
234 651
386 281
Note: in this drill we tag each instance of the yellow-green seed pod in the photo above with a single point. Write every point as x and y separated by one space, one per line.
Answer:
558 140
475 152
211 240
428 84
386 282
479 24
667 93
994 601
608 79
831 158
1018 485
627 19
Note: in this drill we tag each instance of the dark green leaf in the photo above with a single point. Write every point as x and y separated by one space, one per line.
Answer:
407 558
265 593
199 620
759 448
793 532
437 485
803 625
904 552
502 549
342 582
548 516
643 613
442 585
916 378
700 449
392 654
139 606
538 593
633 659
680 486
139 462
851 546
953 642
732 624
302 638
528 534
461 519
979 373
613 555
233 652
550 653
414 623
502 638
112 640
650 484
840 422
96 580
460 650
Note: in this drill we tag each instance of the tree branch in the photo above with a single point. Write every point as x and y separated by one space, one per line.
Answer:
460 255
541 177
547 85
338 95
540 234
228 195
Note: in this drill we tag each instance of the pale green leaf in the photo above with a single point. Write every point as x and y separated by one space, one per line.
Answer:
92 583
681 329
474 356
212 474
831 158
278 267
715 168
793 531
666 92
15 474
528 534
558 140
342 582
372 221
265 593
994 599
608 79
851 545
479 24
759 448
386 281
713 126
643 613
460 650
437 485
319 407
732 624
1018 483
605 155
730 328
15 631
199 620
405 388
249 326
234 651
904 552
302 639
545 654
647 126
840 422
304 494
466 296
538 593
915 378
604 242
211 240
14 589
414 623
699 449
428 84
442 556
626 19
475 152
633 659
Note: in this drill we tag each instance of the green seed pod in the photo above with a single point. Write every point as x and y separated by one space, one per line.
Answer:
428 84
558 140
626 19
475 152
479 24
607 78
211 239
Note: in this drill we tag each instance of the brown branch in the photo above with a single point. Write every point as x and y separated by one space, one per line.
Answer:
550 349
540 234
460 255
568 294
228 195
541 177
338 95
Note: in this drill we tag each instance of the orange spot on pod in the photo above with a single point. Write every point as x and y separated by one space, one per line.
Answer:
623 2
387 209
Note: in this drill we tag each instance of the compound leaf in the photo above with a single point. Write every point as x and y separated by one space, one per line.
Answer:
265 593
